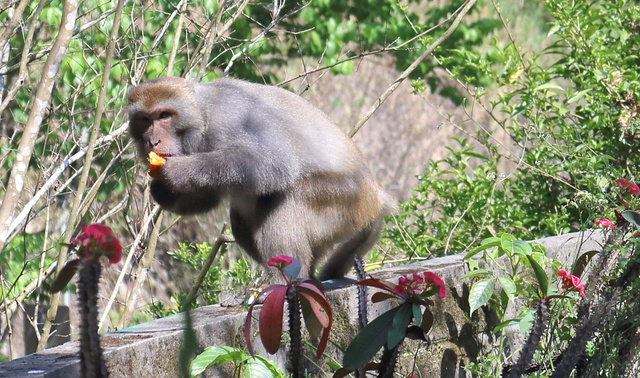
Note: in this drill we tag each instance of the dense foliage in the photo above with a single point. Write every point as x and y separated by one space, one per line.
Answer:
568 128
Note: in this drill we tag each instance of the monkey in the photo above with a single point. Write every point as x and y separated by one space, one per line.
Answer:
297 184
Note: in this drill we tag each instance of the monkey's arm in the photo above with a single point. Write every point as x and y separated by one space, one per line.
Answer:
183 203
250 167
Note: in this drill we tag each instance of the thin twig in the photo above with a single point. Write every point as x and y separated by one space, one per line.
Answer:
462 11
142 233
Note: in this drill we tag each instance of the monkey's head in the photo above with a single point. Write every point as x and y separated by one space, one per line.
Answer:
164 117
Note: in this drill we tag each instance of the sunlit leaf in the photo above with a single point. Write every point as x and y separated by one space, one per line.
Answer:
541 276
215 355
476 273
508 286
480 294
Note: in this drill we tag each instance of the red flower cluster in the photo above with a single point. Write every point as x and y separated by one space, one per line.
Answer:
96 241
280 261
632 188
419 283
605 223
571 282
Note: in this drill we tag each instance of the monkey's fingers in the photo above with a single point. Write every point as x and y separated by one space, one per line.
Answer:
155 162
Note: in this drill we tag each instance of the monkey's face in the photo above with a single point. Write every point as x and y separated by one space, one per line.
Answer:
164 129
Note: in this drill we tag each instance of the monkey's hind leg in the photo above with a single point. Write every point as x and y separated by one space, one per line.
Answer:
341 261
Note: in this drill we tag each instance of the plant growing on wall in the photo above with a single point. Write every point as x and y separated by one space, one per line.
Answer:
389 329
300 295
95 243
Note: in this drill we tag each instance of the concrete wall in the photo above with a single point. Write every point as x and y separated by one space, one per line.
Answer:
151 349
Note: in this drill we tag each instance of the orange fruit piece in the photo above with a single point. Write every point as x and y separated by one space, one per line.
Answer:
155 162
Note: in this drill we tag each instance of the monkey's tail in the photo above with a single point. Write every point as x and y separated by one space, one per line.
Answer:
389 204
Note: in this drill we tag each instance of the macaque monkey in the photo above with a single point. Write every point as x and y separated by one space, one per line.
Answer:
297 184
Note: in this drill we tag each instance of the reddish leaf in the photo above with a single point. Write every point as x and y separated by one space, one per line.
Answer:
318 302
380 296
323 341
270 322
321 309
65 275
311 322
247 331
373 282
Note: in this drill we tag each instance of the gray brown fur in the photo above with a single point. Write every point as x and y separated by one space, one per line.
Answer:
297 184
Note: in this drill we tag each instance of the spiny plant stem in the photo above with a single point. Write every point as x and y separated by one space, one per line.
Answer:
388 362
540 324
295 332
93 364
363 316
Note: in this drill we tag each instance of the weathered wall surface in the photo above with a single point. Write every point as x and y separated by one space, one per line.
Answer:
151 349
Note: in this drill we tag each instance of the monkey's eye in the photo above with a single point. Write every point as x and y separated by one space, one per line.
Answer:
165 115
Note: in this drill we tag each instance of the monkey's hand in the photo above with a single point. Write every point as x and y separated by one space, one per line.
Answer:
155 162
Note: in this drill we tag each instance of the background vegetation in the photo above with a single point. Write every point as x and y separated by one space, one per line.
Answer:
542 97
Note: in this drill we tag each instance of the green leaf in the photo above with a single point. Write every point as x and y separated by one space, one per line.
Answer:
632 217
476 273
506 242
508 286
369 341
546 86
480 294
261 367
506 324
400 323
417 313
526 322
215 355
541 276
486 244
578 96
292 271
522 248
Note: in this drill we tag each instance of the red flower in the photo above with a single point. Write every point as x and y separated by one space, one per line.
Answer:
623 183
634 189
96 241
400 289
571 282
604 222
416 284
280 261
